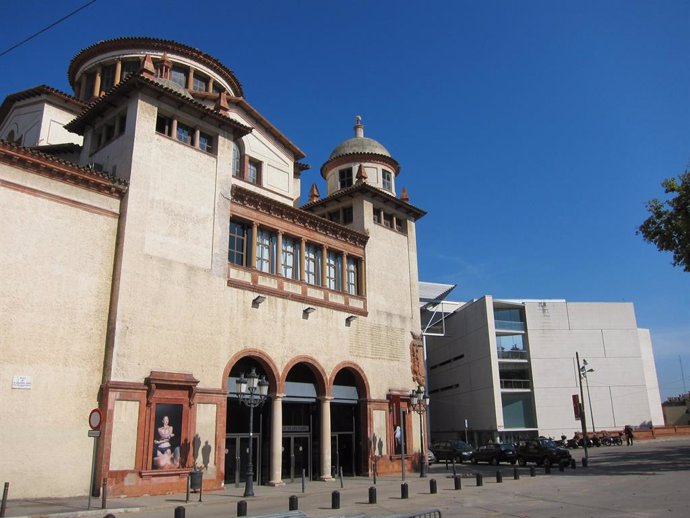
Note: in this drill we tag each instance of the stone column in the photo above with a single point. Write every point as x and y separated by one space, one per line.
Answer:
190 79
343 273
97 83
324 269
277 442
326 439
302 250
173 129
118 71
362 278
279 253
195 138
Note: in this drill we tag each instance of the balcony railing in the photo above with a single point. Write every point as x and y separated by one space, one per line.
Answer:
509 325
516 384
512 354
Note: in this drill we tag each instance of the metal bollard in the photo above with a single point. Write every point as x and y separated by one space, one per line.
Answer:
372 495
480 480
104 502
584 462
516 474
573 464
303 486
499 477
404 491
433 489
242 508
547 469
335 500
532 471
293 503
179 512
561 466
457 482
4 498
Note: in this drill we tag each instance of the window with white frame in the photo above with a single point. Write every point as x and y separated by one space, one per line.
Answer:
334 270
353 276
291 258
312 264
387 179
266 251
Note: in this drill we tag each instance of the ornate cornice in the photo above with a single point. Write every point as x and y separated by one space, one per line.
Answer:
299 217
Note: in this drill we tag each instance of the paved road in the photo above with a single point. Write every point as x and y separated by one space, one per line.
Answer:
649 479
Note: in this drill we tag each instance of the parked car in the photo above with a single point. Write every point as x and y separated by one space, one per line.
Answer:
542 451
495 454
449 451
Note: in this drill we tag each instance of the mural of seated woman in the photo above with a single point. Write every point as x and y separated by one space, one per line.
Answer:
166 457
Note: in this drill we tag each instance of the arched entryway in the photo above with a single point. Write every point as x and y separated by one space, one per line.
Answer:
304 389
237 424
349 423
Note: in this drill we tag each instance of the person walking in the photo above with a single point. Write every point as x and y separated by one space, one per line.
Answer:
628 434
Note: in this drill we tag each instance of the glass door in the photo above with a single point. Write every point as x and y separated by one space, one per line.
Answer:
237 458
296 457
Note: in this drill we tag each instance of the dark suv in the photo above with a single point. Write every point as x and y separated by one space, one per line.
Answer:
459 451
542 451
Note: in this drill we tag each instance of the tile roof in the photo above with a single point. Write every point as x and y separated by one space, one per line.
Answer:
63 170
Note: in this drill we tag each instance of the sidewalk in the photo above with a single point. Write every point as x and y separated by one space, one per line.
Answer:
655 475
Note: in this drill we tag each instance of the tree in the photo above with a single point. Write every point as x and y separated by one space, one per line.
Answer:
668 226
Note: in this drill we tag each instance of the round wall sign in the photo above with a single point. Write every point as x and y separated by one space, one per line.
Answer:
95 418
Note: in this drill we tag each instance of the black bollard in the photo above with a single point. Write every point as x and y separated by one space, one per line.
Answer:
561 466
547 469
5 490
584 462
516 474
433 489
372 495
532 471
104 502
457 481
179 512
499 477
404 491
335 500
293 503
242 508
480 480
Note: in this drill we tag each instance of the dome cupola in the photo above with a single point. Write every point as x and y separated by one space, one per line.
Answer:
360 160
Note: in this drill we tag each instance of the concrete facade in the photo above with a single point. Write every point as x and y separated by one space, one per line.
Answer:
517 377
151 305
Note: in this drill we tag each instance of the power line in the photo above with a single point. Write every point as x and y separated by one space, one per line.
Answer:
47 28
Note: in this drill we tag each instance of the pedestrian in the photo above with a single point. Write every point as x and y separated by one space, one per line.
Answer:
628 434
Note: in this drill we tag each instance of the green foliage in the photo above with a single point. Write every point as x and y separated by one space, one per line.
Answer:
668 226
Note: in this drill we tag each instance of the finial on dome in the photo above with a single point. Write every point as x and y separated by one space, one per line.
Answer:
147 68
222 103
361 175
314 193
404 196
359 127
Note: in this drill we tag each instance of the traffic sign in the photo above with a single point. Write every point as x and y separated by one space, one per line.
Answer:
95 418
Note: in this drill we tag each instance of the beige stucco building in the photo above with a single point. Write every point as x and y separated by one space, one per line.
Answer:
153 251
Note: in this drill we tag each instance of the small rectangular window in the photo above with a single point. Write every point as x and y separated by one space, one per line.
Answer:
205 142
347 215
387 220
334 216
290 258
266 242
345 178
398 224
240 237
312 264
334 271
184 133
386 177
107 77
164 125
377 215
254 172
200 84
353 276
179 76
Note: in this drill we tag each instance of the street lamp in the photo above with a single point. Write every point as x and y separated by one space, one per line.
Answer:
583 373
419 402
583 420
251 392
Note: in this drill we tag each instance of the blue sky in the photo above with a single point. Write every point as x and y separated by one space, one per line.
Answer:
531 132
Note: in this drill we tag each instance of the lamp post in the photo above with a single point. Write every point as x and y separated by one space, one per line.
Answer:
583 371
252 393
583 420
419 402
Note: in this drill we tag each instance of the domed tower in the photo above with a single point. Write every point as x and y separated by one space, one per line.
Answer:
360 160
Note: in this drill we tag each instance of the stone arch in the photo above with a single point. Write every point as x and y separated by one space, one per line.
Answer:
323 389
266 362
360 378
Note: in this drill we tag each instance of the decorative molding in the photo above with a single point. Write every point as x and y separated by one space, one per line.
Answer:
299 217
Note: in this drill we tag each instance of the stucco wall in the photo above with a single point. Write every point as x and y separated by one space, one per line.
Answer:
56 257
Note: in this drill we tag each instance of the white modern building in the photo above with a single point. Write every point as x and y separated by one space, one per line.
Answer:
508 368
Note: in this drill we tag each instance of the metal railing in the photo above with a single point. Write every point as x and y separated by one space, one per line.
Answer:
516 384
513 354
509 325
